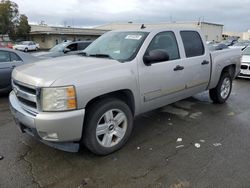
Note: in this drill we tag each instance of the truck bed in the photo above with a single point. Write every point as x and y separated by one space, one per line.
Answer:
220 59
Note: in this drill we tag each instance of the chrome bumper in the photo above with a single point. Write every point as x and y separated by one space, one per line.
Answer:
52 128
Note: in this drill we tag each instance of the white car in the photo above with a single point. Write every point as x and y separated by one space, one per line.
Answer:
26 46
245 64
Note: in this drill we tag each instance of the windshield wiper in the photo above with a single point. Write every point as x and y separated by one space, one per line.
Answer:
100 55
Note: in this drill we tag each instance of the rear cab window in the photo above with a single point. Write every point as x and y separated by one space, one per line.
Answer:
193 43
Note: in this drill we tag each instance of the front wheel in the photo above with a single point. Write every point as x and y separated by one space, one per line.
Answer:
26 50
108 126
222 91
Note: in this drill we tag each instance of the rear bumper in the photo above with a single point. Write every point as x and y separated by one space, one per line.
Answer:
54 129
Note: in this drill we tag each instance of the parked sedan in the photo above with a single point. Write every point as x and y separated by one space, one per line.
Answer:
215 47
65 48
245 64
9 59
26 46
229 42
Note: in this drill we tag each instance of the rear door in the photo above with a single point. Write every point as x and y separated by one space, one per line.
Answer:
197 62
8 61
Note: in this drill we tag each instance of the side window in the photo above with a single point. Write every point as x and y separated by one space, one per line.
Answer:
192 43
14 57
165 41
72 47
82 45
4 57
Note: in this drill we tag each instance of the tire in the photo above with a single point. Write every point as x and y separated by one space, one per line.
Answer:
26 50
36 49
216 94
111 135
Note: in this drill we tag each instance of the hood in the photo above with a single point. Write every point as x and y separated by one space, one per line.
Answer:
45 72
245 59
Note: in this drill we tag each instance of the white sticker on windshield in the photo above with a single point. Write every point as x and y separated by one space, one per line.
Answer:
133 37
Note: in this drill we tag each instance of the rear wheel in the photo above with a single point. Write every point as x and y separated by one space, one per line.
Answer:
26 50
222 91
108 126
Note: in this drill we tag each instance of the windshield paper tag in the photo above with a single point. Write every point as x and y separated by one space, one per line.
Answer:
133 37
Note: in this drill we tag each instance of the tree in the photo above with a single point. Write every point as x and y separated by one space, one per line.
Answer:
9 17
23 28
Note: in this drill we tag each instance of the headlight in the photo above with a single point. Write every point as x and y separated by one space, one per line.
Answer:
58 98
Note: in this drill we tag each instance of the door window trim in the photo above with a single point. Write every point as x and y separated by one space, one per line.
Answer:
204 51
177 45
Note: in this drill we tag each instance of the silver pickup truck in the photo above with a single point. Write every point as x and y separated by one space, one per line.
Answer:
92 98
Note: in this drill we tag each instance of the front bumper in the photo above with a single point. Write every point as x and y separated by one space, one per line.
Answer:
244 70
61 130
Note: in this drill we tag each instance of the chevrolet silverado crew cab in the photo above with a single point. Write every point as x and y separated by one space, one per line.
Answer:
92 98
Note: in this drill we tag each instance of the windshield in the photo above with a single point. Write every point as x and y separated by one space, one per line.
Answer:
246 51
121 46
59 47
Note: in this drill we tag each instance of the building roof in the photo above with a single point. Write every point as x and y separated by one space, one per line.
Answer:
44 29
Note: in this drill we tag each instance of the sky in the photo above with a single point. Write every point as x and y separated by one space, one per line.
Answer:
234 15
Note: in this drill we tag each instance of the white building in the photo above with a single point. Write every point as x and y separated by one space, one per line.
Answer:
241 35
211 31
246 35
49 36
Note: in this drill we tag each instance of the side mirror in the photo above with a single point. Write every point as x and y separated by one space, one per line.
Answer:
155 56
66 50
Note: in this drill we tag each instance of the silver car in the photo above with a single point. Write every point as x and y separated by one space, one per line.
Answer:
9 59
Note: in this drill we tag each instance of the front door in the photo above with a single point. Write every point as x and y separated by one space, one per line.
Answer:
163 82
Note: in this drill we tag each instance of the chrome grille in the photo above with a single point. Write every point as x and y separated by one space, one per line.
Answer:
27 96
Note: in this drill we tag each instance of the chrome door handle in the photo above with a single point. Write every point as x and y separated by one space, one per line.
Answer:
178 68
205 62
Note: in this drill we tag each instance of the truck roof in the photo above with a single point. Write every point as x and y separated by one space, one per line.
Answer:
149 30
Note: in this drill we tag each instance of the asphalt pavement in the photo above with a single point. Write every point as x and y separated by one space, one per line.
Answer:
191 143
